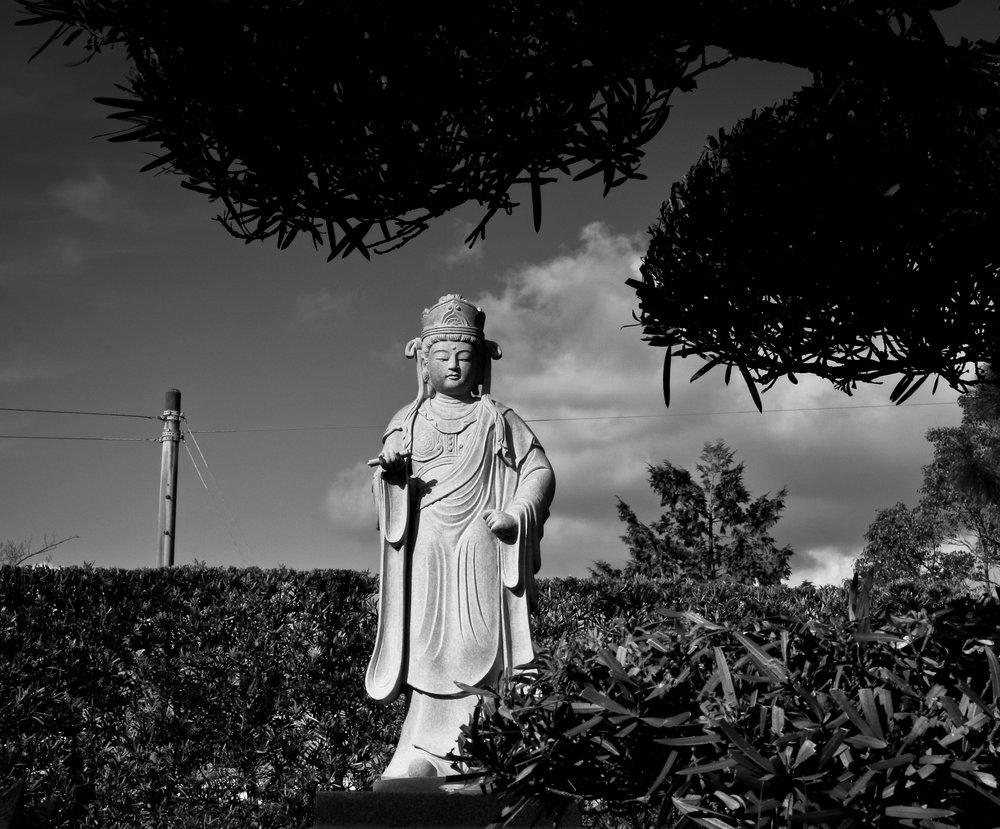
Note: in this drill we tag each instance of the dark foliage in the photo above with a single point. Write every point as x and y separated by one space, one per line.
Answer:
725 716
188 696
793 246
845 233
347 121
352 121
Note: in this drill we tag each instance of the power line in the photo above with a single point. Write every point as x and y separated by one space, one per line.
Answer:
733 412
74 412
278 429
587 417
215 492
527 420
71 437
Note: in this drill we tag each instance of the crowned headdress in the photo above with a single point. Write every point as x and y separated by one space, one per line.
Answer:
453 314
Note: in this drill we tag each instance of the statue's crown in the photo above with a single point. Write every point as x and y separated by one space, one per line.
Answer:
453 313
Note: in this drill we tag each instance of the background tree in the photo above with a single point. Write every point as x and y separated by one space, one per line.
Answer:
954 531
710 527
14 553
357 124
904 543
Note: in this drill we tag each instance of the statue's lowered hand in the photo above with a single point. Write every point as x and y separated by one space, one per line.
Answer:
502 524
391 458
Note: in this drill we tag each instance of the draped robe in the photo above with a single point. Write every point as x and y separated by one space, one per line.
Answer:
454 599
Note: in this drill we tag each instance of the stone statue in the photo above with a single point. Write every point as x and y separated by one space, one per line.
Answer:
462 491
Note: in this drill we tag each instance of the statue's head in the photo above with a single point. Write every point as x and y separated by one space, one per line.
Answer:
453 352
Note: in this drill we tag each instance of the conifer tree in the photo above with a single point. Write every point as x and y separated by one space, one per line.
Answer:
710 528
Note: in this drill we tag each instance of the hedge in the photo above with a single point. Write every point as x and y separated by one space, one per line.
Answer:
195 696
188 696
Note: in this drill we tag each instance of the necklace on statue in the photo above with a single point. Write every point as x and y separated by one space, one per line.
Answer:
452 416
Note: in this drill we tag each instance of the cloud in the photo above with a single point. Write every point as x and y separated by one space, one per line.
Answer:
89 198
19 370
349 504
579 372
322 305
823 565
460 254
559 324
567 355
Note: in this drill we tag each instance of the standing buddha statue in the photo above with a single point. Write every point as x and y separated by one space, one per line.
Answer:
462 491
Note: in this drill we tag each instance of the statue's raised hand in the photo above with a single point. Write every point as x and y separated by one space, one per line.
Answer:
502 524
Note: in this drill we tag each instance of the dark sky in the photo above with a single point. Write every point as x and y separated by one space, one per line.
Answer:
117 286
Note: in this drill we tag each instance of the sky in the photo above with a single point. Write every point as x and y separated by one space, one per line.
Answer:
117 285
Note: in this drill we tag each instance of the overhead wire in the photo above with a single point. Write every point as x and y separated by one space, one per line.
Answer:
73 437
733 412
586 417
220 503
75 412
339 427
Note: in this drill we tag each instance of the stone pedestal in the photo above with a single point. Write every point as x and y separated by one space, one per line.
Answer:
460 807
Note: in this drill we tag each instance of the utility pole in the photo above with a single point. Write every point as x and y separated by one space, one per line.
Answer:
170 439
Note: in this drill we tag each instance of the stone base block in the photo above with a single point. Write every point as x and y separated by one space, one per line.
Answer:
463 808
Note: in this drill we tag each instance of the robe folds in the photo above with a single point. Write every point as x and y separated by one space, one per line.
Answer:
454 599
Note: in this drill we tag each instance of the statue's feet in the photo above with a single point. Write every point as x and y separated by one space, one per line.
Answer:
422 775
421 767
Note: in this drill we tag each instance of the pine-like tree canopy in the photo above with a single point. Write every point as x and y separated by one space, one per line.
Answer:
710 527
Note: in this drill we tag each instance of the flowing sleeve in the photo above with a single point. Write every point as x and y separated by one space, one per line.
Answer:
532 494
393 499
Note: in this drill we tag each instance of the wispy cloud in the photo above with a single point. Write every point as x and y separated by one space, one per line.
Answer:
349 504
89 198
461 254
19 370
321 306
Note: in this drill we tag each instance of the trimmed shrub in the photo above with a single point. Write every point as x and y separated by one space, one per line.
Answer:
188 696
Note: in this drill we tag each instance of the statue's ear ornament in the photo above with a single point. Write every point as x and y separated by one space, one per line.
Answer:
412 347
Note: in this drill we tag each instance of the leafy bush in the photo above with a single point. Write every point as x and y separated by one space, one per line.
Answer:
759 719
159 697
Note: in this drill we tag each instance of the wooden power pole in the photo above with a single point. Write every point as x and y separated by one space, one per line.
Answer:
170 439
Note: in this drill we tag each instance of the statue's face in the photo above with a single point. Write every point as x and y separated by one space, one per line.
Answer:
454 368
